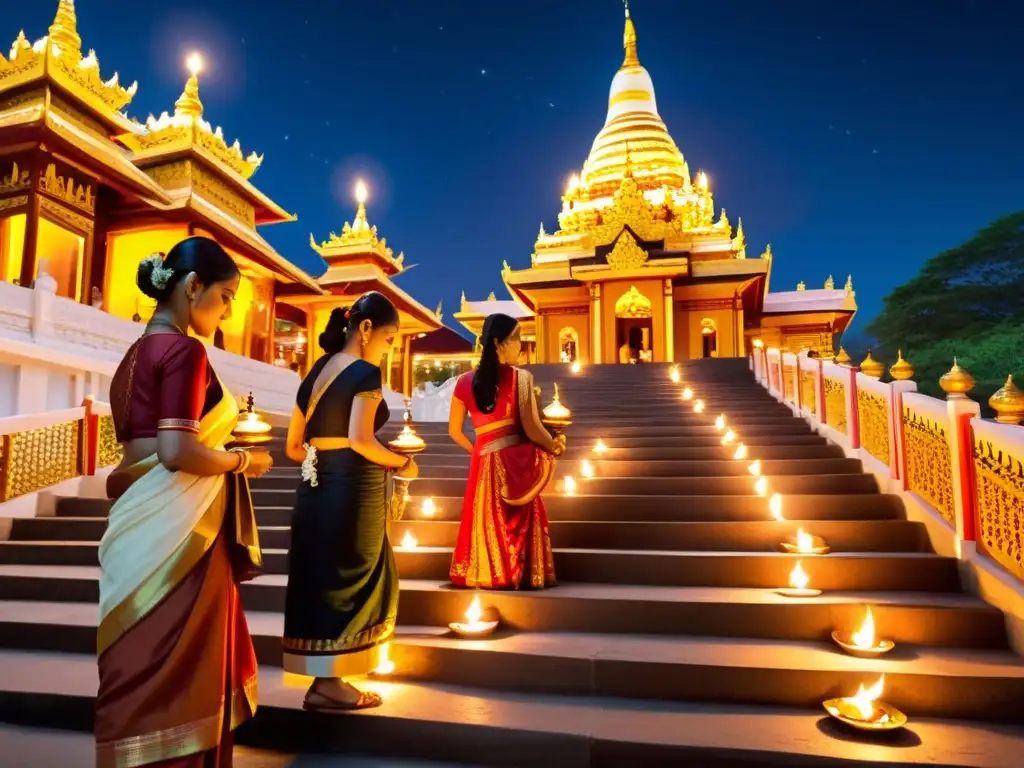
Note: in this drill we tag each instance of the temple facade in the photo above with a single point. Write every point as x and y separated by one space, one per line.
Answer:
643 267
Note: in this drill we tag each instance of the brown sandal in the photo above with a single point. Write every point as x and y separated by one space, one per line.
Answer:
366 700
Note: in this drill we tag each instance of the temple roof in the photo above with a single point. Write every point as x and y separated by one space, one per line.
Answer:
827 299
358 243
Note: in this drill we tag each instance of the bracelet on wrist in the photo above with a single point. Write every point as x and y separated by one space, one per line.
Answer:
244 460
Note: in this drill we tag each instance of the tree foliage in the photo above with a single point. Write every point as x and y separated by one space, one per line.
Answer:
966 302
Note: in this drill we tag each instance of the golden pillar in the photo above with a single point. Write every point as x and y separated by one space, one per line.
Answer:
670 324
542 338
595 323
407 366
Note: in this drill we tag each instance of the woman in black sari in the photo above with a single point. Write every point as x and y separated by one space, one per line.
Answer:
342 595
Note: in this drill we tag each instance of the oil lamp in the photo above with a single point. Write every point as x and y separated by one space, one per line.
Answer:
755 468
385 666
569 485
675 375
556 416
586 469
409 541
687 394
698 407
408 443
863 643
473 627
798 581
805 544
775 506
741 452
600 447
575 367
761 486
865 710
251 429
720 423
728 437
428 508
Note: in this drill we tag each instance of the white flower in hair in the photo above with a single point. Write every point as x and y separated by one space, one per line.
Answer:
160 274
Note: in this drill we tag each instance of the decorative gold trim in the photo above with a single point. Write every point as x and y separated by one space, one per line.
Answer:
633 304
835 404
19 179
13 202
371 636
41 457
178 425
64 215
873 416
627 253
177 742
502 442
929 462
486 429
1000 498
67 190
374 394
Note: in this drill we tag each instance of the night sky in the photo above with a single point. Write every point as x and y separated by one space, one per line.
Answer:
857 137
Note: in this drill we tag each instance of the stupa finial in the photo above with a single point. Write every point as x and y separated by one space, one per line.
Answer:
64 30
188 104
629 41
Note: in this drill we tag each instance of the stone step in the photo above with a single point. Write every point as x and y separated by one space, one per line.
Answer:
503 728
901 571
67 598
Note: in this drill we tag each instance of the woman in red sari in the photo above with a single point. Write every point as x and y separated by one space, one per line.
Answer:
177 671
503 540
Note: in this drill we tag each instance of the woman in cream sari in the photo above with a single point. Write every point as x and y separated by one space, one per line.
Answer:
177 671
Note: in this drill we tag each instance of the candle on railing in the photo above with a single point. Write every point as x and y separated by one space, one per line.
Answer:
865 709
864 642
473 626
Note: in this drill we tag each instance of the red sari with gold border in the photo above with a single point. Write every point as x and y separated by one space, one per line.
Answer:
504 541
177 669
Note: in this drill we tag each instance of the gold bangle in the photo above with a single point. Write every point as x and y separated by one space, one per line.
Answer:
244 460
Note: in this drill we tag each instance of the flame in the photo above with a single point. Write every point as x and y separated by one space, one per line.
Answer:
804 542
586 469
570 485
775 506
698 407
864 700
428 508
687 394
474 613
720 423
576 367
761 486
702 180
194 63
865 636
728 437
409 541
385 666
361 192
755 468
600 447
741 452
797 578
675 375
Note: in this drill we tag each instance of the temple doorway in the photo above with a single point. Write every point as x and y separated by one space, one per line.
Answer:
709 338
634 327
568 344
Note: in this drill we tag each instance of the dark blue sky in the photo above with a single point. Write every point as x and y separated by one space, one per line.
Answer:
857 137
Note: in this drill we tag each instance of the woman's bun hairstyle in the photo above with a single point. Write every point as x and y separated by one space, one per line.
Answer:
332 340
372 306
159 275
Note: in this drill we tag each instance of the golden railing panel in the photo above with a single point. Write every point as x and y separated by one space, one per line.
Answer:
873 415
929 463
108 450
787 383
807 387
999 482
835 404
37 458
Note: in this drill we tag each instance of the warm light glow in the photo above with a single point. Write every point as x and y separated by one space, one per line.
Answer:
741 452
755 468
385 666
409 541
728 437
408 438
675 375
702 180
427 508
864 700
569 485
775 506
194 62
474 613
600 447
864 638
687 394
576 367
761 486
698 407
804 542
758 344
797 578
586 469
573 185
720 423
361 192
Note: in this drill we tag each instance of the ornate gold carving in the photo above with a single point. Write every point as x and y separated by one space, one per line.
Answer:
74 220
787 383
929 462
13 202
1000 497
217 192
37 95
807 391
18 179
172 175
357 237
835 404
37 458
873 416
627 253
67 190
109 452
633 304
629 208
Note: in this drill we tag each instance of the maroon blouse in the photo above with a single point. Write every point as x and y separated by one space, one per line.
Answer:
164 382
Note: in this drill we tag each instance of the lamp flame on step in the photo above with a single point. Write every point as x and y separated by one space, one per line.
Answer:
600 447
864 638
687 394
804 542
761 486
586 469
474 626
474 613
575 367
728 437
720 423
675 375
863 702
409 541
569 485
797 578
775 506
428 508
755 468
698 407
385 666
741 452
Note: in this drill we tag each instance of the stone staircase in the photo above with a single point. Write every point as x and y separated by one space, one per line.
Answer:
664 644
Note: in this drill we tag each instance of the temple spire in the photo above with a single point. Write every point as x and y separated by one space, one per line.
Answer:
629 41
64 30
188 104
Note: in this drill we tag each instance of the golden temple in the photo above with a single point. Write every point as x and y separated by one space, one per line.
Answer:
641 269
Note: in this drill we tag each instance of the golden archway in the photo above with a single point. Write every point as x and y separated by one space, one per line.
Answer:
633 304
568 344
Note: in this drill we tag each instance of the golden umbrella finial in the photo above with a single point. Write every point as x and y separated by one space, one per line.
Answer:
1008 403
871 367
843 358
188 104
901 370
956 382
629 41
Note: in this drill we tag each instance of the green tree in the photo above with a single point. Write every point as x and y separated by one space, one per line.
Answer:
967 302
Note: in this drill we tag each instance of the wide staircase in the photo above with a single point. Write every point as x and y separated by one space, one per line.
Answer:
665 643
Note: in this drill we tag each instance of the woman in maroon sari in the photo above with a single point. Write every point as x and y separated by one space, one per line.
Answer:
177 671
503 540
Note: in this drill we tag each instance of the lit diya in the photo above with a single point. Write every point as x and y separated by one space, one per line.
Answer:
385 666
473 627
755 468
863 643
556 416
761 486
798 581
805 544
600 447
720 423
741 452
865 711
408 541
575 367
569 485
728 438
698 407
687 394
675 375
586 469
250 429
428 508
775 506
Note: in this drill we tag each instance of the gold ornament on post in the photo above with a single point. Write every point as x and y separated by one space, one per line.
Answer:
1008 403
871 367
843 358
956 382
251 428
901 370
410 444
